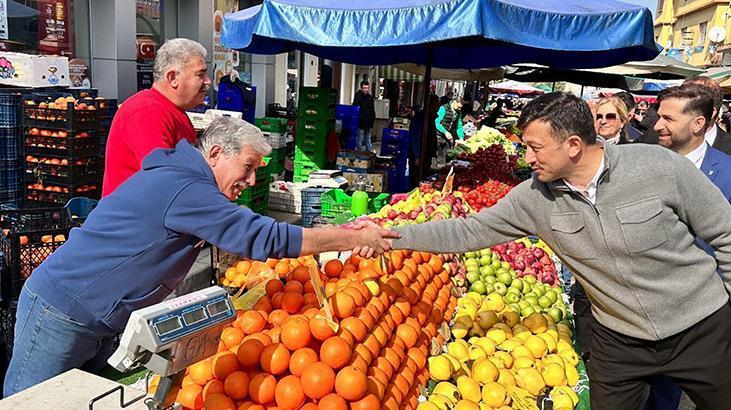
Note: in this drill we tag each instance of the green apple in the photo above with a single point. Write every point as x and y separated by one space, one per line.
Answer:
514 307
472 277
486 252
478 287
512 297
485 260
496 264
530 279
490 280
505 265
531 299
517 284
495 255
488 288
505 278
470 254
544 302
500 288
551 295
523 304
538 290
487 271
527 311
556 314
527 286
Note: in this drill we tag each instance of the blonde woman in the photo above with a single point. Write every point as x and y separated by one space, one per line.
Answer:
611 120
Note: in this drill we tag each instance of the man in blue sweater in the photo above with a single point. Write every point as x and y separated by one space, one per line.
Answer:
141 241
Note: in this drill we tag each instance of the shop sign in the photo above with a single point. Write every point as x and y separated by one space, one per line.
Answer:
54 27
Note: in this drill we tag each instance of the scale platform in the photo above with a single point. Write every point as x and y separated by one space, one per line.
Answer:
71 390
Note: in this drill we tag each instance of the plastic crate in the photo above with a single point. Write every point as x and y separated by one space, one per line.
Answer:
311 139
302 170
308 218
318 127
70 145
39 196
312 111
317 156
10 142
270 124
344 112
318 95
312 199
276 140
259 205
260 189
336 202
80 208
37 114
11 109
8 313
32 235
61 171
10 174
276 166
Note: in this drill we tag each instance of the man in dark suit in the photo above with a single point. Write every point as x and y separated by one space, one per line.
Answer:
715 135
682 128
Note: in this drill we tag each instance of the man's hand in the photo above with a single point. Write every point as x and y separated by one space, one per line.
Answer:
373 241
449 137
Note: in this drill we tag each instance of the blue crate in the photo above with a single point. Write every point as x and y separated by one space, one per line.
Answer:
10 198
348 114
10 143
11 109
312 198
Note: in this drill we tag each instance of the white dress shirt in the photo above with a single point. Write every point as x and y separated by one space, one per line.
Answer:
711 134
696 156
590 192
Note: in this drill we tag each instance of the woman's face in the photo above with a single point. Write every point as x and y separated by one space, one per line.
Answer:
608 123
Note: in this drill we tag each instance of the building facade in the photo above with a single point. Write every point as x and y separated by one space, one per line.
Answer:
695 31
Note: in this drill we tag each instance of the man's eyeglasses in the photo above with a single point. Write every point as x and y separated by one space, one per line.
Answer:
609 116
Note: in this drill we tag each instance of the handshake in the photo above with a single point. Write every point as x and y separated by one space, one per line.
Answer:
368 239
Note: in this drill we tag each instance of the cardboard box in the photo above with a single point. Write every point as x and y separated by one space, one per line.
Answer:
25 70
374 182
363 160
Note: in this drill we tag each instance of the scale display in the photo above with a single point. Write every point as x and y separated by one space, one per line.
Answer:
168 325
194 316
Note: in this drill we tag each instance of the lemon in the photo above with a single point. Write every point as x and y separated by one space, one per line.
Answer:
565 391
554 358
506 378
494 394
476 352
466 405
440 401
487 344
553 375
447 390
459 351
440 368
425 405
484 371
505 357
523 363
494 301
497 335
531 380
572 375
522 351
468 388
550 342
536 345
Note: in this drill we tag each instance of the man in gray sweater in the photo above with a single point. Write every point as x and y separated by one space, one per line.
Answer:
624 219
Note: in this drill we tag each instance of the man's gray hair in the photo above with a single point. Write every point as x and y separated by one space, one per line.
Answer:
175 53
231 134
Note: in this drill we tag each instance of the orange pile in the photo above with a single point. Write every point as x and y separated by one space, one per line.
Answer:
284 355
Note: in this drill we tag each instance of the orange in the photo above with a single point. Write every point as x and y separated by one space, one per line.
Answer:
243 267
281 268
250 405
332 402
275 358
362 351
231 337
236 385
292 302
351 383
335 352
190 396
294 286
318 380
249 353
251 322
310 299
367 402
384 364
288 393
342 304
187 381
408 334
219 402
274 334
263 338
301 360
278 316
295 333
319 328
224 363
274 286
309 406
375 387
333 268
201 372
300 274
358 297
261 388
213 387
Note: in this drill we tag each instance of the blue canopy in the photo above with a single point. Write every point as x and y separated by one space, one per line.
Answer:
459 33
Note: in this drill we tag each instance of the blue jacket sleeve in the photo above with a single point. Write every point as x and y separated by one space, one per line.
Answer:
201 210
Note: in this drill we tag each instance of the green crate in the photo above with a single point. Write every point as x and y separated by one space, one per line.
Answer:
303 169
276 167
263 170
312 111
270 124
311 139
316 127
336 202
314 155
318 95
278 154
260 189
255 202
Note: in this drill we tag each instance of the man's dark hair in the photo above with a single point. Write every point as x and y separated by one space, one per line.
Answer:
364 82
565 113
627 99
697 99
711 87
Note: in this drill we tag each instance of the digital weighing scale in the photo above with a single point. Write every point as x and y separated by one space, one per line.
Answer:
168 337
327 179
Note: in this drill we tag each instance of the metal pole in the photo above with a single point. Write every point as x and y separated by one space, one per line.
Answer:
425 163
553 87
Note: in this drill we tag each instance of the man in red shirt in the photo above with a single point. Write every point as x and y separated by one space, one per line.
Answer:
156 118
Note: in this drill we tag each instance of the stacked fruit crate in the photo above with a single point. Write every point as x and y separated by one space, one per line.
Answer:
11 134
274 130
348 116
62 148
256 197
395 144
315 120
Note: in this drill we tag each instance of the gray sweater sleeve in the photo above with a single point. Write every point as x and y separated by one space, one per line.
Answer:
505 221
707 212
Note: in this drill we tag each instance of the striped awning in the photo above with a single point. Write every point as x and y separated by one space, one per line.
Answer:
397 74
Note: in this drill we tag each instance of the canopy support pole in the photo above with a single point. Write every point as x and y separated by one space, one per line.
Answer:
553 87
424 161
582 91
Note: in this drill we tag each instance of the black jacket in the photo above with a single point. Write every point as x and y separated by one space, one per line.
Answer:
367 109
723 141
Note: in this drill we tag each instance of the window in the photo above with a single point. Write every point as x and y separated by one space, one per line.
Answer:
703 31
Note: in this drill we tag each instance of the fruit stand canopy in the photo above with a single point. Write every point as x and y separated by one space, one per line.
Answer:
448 33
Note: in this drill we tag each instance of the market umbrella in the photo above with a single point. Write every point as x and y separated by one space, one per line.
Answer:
448 33
514 87
483 74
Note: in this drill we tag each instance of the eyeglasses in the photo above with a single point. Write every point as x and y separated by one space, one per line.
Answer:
609 116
